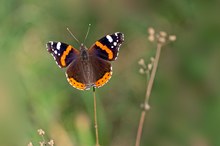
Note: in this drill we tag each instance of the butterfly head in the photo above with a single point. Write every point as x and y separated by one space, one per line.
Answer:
84 52
82 47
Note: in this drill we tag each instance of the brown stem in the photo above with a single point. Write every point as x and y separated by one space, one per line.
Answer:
95 119
140 128
147 96
153 73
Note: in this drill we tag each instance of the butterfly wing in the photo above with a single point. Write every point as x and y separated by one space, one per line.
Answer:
82 75
107 47
63 53
101 71
76 75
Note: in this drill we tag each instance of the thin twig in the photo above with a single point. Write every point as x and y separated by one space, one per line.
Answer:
147 96
95 119
140 128
153 73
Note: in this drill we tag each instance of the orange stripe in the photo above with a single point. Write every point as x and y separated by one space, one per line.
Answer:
65 53
103 80
105 48
76 84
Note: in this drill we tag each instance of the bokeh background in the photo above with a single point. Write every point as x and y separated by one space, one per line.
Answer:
34 93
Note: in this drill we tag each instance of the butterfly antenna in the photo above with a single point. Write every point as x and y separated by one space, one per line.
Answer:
72 35
87 33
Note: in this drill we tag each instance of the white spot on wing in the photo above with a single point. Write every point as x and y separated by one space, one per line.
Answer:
51 43
53 57
109 38
114 43
67 76
58 45
117 55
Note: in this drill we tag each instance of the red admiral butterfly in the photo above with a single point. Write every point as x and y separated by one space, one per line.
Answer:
87 67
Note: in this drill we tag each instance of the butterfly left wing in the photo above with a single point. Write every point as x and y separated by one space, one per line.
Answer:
102 71
63 53
107 47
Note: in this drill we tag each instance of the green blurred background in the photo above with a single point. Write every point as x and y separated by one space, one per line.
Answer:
34 93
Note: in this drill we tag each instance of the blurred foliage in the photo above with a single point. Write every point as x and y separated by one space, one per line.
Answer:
34 93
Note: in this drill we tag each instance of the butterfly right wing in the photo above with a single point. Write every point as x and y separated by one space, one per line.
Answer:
107 47
62 53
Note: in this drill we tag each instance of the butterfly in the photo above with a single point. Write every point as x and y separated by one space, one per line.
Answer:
91 67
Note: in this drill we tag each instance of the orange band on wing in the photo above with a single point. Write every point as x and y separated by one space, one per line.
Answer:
76 84
103 80
105 48
65 53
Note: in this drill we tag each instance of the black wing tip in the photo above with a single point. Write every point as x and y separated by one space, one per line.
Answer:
49 46
120 35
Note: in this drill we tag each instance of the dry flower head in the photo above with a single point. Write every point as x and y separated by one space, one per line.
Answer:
161 37
42 143
172 38
30 144
145 69
40 132
151 30
51 142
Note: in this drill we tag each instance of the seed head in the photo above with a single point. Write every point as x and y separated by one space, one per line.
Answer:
150 66
30 144
141 71
163 33
40 132
162 40
172 38
145 106
51 142
151 31
151 38
141 62
42 143
152 59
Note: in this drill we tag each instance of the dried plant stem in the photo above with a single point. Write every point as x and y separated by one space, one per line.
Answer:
153 73
147 96
140 128
95 119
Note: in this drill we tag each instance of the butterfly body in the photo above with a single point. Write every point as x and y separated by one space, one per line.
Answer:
87 67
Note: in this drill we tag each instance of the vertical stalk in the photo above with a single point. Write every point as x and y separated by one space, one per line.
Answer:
147 96
95 119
